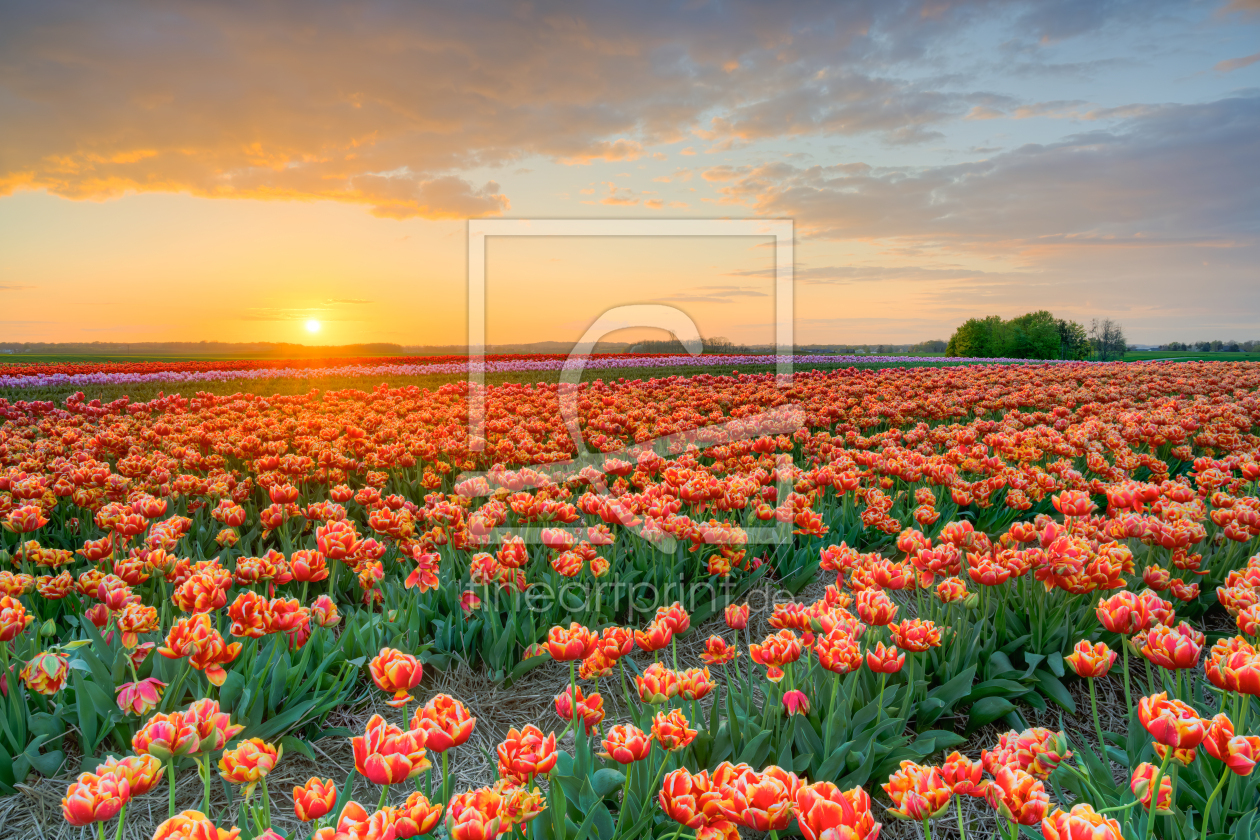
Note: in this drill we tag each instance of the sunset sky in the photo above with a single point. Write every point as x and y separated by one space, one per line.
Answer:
232 171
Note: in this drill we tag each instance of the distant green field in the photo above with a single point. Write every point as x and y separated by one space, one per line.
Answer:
1189 356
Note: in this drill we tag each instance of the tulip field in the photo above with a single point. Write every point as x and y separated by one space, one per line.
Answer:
980 600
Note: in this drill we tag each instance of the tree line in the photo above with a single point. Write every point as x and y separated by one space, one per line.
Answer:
1037 335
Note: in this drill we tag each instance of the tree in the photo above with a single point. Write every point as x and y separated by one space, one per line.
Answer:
1073 340
978 338
1032 336
1107 336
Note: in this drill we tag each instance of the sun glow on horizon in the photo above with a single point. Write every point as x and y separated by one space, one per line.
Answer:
312 326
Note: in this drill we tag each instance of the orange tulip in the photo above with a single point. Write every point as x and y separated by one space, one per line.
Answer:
1234 665
193 825
824 812
416 817
616 642
214 727
1036 751
875 608
393 670
1184 757
884 660
475 815
525 754
918 792
95 798
1173 648
589 708
135 619
1091 661
445 723
783 648
674 617
679 797
166 736
46 672
566 645
657 684
717 651
1119 613
13 618
140 698
915 635
1171 722
324 612
656 637
196 638
1081 823
964 776
386 755
736 616
314 799
251 615
626 744
951 590
1140 784
337 540
761 801
248 762
838 652
694 683
1238 752
671 732
142 772
1018 796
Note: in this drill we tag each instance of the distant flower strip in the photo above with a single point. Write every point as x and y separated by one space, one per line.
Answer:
14 376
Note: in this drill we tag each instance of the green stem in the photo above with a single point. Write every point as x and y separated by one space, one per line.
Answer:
835 692
879 707
1207 809
122 817
927 830
1150 814
205 779
267 804
384 793
1124 807
1093 705
660 774
962 828
1128 696
446 777
170 783
625 801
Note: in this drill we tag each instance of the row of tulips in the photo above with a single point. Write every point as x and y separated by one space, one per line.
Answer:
659 759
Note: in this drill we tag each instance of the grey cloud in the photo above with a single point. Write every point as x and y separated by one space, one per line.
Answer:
386 104
1174 172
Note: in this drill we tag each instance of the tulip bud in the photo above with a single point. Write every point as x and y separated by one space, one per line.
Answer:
314 799
795 703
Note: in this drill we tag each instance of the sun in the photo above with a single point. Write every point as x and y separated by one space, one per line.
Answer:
312 326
